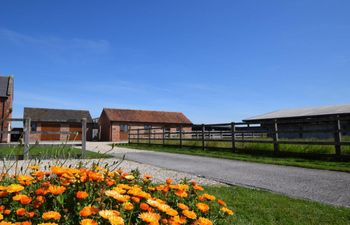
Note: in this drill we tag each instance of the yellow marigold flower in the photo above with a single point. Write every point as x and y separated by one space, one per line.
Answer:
227 211
176 220
14 188
51 215
202 207
203 221
117 196
207 197
129 177
81 194
116 220
57 170
1 217
6 223
56 190
124 186
182 206
128 206
149 217
106 214
25 179
34 167
88 222
189 214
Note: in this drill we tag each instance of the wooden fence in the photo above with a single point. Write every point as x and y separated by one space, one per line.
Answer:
267 133
27 132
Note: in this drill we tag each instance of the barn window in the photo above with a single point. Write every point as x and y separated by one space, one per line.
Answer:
148 127
33 126
124 128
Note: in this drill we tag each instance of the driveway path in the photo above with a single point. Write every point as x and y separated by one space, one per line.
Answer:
318 185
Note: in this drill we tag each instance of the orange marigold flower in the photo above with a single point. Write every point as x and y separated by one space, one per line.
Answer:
88 210
144 206
147 176
203 221
169 181
208 197
21 211
25 179
6 223
26 223
57 170
221 202
51 215
197 187
227 211
128 206
14 188
202 207
56 190
23 199
31 214
182 206
181 193
88 222
149 217
7 211
189 214
81 194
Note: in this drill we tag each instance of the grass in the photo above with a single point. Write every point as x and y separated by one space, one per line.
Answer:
262 207
325 163
47 152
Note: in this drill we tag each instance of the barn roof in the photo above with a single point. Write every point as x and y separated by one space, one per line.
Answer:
146 116
6 86
56 115
303 112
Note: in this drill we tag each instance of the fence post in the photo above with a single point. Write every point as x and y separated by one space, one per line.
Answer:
338 138
129 133
180 136
275 138
149 136
233 136
138 136
83 137
203 141
163 140
26 138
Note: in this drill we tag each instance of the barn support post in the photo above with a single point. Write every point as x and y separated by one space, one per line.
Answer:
138 136
275 138
338 138
163 136
83 137
233 136
26 138
180 130
203 138
129 133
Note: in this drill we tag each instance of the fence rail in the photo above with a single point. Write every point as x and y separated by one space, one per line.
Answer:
266 133
25 134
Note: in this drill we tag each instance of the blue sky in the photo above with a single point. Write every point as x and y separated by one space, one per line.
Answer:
216 61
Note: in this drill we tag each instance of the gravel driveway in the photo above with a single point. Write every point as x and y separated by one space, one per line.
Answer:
318 185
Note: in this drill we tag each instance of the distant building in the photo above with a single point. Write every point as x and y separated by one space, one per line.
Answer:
6 99
306 120
57 120
115 123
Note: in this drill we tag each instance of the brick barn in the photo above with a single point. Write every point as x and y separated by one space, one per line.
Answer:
57 120
115 123
6 99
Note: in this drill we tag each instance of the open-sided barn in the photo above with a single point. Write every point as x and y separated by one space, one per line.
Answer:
307 121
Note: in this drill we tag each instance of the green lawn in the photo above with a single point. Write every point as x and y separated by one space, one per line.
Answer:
326 163
49 152
262 207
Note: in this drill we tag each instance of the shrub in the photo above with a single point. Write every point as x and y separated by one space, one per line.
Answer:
96 195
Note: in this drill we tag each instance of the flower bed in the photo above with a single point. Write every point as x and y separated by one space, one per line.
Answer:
91 196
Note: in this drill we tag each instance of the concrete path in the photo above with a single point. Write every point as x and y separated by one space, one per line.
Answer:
318 185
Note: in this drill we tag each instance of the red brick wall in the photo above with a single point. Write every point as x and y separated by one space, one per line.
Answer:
105 127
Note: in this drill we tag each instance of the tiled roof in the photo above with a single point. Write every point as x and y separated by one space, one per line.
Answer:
56 115
146 116
6 86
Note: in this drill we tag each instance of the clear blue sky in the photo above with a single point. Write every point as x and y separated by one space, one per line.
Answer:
216 61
